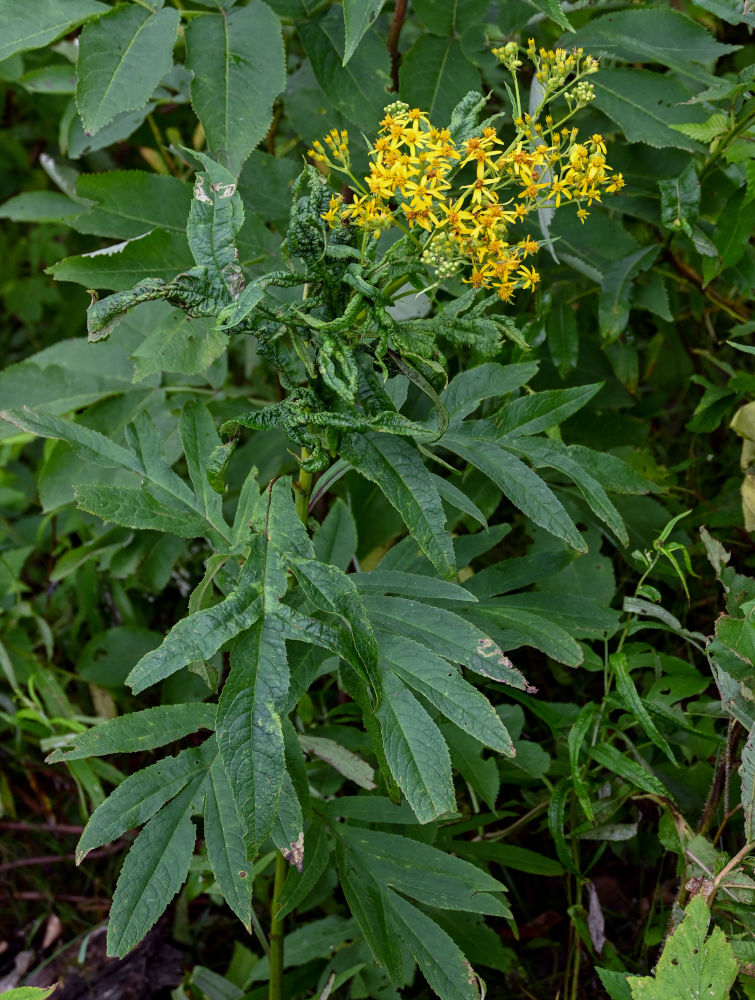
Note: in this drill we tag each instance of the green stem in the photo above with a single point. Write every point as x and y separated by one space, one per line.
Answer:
275 991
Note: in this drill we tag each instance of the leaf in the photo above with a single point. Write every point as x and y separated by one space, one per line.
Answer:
447 634
691 965
442 963
733 231
442 18
524 627
397 468
747 774
136 732
123 55
32 26
432 75
553 10
563 338
331 590
357 91
199 439
617 762
40 206
645 106
155 868
235 55
29 993
299 884
520 484
416 752
276 516
215 219
135 508
288 826
224 839
179 343
335 542
659 35
616 291
158 254
445 689
199 636
634 703
543 410
386 581
140 795
340 759
680 200
358 17
130 203
249 731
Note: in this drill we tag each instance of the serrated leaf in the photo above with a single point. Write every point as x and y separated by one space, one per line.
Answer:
29 993
199 439
32 26
397 468
336 539
357 90
232 56
358 17
387 581
553 10
140 795
138 731
616 291
275 515
618 763
129 203
299 884
692 965
542 410
447 634
288 826
179 343
199 636
215 219
249 731
224 838
155 868
416 752
123 55
442 963
433 73
747 774
630 97
158 254
445 689
135 508
523 627
41 206
634 704
331 590
524 488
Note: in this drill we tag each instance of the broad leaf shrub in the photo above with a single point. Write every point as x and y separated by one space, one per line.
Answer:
376 415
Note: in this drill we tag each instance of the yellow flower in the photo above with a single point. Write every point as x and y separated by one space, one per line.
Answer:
528 276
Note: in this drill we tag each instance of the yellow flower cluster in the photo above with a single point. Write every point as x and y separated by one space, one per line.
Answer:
468 198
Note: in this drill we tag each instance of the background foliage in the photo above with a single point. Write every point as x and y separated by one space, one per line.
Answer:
631 792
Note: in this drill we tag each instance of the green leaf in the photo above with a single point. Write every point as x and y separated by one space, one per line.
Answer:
358 17
447 634
397 468
179 343
563 338
123 55
360 90
523 627
32 26
140 795
627 768
224 838
432 75
416 752
336 539
733 231
386 581
288 826
445 689
158 254
129 203
442 963
680 200
616 292
442 18
747 774
28 993
249 731
299 884
634 704
155 868
340 759
232 56
553 10
136 732
653 35
513 574
135 508
276 516
199 439
524 488
543 410
41 206
199 636
331 590
645 106
691 964
215 218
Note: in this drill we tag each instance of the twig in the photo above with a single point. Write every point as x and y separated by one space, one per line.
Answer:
392 44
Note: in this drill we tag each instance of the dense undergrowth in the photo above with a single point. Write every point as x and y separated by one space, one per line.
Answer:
428 447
